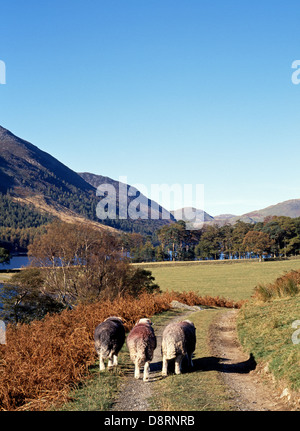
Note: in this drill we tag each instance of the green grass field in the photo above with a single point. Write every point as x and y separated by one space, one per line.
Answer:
231 280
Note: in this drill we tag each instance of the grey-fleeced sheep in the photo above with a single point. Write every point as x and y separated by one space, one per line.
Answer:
109 338
141 343
178 340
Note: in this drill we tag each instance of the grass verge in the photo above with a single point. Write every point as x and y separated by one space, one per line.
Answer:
265 330
99 391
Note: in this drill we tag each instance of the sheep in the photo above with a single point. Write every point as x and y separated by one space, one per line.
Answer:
178 340
141 343
109 338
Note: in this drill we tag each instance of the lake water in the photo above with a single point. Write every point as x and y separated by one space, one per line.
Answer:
16 262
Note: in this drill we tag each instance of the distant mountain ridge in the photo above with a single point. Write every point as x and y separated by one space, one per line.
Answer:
289 208
224 216
34 177
193 217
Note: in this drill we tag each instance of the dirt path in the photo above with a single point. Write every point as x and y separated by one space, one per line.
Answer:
250 388
135 394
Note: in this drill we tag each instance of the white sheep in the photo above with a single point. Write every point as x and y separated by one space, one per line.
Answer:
109 338
178 340
141 343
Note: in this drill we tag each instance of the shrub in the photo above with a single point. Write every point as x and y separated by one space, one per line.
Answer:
286 285
191 298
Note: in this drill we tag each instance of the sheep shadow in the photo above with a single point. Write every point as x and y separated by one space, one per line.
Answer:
210 363
213 363
156 367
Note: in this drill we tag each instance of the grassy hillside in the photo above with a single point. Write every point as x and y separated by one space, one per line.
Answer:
235 281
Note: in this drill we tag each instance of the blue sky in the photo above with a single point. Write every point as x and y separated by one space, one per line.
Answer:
160 91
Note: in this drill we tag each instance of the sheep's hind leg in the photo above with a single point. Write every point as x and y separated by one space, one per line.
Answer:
101 363
164 371
136 369
146 371
110 361
189 358
178 364
115 360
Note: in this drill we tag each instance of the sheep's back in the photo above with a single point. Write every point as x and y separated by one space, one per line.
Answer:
178 339
141 342
190 335
109 337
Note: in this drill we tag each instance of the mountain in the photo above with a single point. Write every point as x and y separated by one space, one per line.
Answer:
193 217
223 216
31 176
290 208
125 194
23 166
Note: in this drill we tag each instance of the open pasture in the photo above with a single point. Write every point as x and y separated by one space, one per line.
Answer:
232 280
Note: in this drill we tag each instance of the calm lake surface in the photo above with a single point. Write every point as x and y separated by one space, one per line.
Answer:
16 262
